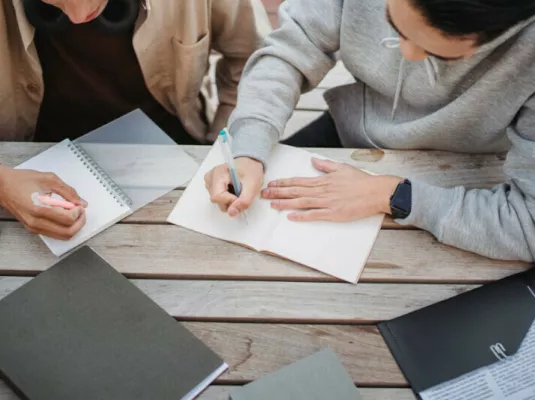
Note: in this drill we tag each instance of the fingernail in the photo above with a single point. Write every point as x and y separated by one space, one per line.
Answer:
265 193
273 204
233 212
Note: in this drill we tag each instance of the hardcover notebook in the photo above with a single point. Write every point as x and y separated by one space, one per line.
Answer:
337 249
117 169
320 376
81 330
477 345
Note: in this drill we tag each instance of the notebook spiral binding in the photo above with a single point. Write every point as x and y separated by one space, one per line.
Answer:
104 179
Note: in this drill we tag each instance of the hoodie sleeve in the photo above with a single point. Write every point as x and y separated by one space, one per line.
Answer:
498 223
294 59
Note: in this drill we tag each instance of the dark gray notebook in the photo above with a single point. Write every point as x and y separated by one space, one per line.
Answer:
80 330
320 376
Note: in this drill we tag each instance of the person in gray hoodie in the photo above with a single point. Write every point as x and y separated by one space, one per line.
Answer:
453 75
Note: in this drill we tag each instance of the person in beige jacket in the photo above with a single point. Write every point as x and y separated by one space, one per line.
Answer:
70 66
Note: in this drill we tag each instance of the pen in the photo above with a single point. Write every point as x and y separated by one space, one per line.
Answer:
53 202
227 154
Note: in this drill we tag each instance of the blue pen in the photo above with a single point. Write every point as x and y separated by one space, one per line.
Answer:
227 154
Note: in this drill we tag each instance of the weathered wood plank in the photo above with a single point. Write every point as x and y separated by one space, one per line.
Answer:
168 251
312 101
299 120
158 211
253 350
338 76
436 167
222 393
293 302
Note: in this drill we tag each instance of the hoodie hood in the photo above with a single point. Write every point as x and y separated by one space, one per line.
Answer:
430 62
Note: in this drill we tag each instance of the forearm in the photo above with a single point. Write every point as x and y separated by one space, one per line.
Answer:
294 59
498 223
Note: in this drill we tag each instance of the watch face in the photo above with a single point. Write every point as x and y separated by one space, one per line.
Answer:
402 200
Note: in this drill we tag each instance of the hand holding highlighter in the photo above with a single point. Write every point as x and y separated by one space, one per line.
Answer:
54 202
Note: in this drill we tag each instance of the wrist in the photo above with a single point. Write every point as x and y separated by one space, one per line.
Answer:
3 171
389 186
250 161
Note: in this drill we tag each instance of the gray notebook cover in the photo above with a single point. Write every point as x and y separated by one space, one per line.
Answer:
80 330
320 376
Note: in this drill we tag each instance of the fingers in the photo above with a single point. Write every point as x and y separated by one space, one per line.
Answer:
325 165
58 215
52 229
299 204
323 214
57 186
217 182
293 192
304 182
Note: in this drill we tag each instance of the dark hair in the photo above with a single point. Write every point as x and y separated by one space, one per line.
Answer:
487 19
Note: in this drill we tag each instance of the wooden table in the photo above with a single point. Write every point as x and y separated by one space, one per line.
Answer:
260 312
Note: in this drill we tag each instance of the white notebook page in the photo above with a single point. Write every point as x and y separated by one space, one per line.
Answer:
103 210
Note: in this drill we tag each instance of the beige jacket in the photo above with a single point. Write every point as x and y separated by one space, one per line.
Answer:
173 40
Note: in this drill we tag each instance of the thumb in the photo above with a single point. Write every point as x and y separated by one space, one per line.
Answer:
325 165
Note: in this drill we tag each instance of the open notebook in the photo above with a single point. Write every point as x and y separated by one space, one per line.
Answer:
338 249
115 173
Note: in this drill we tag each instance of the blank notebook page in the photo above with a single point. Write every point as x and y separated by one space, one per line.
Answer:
339 249
103 210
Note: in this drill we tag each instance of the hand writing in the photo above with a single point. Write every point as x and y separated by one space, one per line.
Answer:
217 181
344 193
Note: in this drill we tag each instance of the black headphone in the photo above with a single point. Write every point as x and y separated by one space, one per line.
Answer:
118 15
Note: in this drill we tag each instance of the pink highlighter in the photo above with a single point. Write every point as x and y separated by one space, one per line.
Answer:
53 202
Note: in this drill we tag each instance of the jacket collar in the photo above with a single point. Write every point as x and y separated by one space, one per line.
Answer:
26 30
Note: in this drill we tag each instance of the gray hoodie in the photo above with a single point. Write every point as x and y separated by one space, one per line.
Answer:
482 104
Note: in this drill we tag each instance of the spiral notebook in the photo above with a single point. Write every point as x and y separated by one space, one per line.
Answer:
107 203
117 169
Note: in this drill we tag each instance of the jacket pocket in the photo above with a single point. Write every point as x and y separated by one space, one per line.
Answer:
191 65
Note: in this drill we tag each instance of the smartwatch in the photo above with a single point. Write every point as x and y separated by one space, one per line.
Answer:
401 200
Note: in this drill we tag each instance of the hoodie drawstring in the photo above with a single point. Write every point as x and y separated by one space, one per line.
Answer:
431 68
